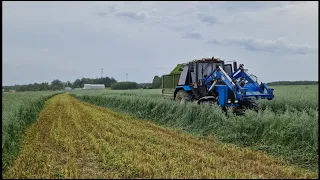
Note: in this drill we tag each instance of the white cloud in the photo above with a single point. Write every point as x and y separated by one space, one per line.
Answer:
272 46
192 36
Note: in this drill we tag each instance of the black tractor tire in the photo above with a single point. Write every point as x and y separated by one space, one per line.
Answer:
250 103
183 96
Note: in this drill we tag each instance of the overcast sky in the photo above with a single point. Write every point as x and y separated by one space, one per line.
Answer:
43 41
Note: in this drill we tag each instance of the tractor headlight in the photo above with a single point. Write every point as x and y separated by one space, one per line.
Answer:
235 101
229 101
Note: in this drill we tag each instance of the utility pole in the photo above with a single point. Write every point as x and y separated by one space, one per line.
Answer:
126 77
101 73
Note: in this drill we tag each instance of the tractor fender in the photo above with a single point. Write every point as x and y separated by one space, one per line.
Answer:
207 98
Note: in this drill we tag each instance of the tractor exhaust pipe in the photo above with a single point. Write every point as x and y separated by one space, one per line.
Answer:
235 66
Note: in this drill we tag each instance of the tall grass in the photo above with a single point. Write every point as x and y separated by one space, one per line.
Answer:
19 110
291 133
293 97
11 103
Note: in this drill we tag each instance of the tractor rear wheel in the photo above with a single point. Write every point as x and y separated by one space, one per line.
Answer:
183 96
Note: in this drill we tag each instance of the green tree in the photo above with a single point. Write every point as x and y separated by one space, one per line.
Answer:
156 82
56 84
77 83
36 86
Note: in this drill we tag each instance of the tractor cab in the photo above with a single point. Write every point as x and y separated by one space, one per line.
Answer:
196 70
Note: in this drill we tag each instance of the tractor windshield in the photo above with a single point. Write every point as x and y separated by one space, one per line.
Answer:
205 68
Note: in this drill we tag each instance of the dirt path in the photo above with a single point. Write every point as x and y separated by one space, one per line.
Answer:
72 139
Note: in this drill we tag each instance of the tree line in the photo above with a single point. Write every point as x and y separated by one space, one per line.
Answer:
59 85
79 83
156 84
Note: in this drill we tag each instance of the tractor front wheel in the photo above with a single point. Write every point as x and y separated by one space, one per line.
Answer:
183 96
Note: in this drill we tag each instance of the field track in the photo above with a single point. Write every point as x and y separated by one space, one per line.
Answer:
72 139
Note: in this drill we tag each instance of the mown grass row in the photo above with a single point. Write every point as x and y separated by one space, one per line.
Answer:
292 134
24 111
72 139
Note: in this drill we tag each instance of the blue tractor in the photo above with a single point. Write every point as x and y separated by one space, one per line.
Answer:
212 81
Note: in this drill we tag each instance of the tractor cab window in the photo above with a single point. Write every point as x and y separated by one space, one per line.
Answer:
204 69
228 68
